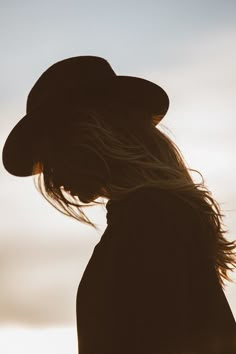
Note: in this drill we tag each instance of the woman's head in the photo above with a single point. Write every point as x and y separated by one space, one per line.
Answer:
104 151
111 151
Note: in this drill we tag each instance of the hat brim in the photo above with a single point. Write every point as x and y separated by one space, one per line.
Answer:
19 152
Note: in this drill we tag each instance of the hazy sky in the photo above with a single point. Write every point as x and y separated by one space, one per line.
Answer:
188 47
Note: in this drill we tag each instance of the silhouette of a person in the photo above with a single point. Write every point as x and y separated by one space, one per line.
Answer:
154 283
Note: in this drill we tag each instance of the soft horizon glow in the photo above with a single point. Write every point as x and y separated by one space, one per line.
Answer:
24 340
188 48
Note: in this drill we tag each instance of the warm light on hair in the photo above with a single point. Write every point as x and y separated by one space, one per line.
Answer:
118 159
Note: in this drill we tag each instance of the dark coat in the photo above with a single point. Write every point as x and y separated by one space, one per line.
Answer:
150 287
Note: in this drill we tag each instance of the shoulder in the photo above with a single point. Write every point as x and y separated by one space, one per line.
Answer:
152 201
149 211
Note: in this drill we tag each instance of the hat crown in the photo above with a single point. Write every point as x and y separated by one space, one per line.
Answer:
71 85
67 75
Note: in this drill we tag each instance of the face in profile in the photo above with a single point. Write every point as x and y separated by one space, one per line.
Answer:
84 183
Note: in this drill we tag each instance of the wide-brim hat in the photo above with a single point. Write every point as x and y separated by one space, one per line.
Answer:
66 84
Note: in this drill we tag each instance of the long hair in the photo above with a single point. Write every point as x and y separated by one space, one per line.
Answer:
96 154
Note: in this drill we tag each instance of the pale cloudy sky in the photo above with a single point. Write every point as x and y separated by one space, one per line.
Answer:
189 48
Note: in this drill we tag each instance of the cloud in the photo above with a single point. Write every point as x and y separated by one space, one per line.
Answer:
39 280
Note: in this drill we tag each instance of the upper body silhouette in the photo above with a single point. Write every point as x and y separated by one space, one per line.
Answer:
154 282
149 286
